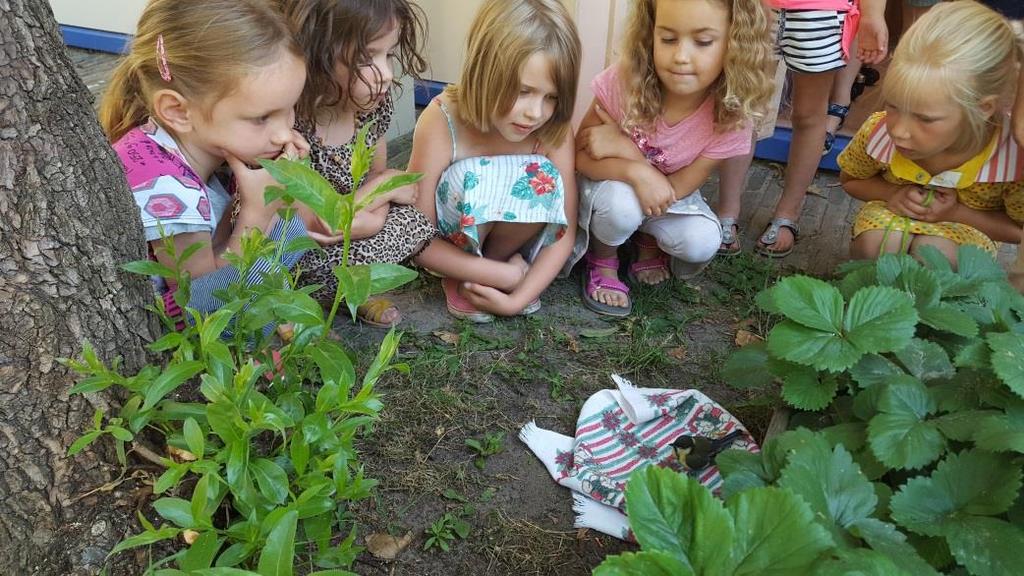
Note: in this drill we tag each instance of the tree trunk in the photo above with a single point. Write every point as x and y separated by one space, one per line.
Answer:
67 221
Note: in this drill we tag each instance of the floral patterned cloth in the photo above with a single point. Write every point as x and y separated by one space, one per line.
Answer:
524 188
620 431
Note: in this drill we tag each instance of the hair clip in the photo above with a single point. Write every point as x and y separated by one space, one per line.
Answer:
161 59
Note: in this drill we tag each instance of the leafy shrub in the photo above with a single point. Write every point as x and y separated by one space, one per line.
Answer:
265 459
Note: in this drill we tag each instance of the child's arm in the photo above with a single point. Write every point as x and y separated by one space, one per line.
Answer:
1018 109
551 258
688 179
872 33
601 137
996 224
652 188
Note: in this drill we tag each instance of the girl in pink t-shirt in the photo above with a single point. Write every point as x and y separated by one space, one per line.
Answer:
676 105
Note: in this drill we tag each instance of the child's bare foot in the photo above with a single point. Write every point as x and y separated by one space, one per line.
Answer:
651 264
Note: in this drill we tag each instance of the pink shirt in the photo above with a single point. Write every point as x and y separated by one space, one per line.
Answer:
670 148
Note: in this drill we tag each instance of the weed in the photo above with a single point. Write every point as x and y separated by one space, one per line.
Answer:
489 445
444 531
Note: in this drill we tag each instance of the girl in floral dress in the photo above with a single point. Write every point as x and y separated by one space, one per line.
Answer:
497 150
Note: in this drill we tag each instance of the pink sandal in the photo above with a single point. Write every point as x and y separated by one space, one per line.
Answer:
660 261
593 281
459 307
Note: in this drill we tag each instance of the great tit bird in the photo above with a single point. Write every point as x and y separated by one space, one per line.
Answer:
696 452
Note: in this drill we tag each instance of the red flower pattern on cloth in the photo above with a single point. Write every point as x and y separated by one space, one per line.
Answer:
542 183
204 207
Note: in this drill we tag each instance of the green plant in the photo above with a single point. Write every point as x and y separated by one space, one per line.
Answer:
916 372
490 444
443 532
265 439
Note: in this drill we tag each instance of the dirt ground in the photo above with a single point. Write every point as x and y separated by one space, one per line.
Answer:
468 380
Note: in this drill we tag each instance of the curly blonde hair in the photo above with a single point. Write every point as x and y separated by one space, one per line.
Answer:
743 91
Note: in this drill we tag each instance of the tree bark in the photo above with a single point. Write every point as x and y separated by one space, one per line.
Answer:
67 221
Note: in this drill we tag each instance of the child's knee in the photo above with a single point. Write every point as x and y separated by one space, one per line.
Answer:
617 213
696 242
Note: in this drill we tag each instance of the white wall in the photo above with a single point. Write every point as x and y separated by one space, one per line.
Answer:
110 15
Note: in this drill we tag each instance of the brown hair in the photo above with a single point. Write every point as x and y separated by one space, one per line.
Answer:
333 32
208 46
963 48
504 34
743 91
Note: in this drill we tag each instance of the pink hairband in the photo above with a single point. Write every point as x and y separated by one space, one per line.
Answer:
161 59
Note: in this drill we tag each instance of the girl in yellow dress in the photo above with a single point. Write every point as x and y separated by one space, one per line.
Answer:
939 166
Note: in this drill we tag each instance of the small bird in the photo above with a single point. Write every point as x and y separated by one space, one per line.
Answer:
696 452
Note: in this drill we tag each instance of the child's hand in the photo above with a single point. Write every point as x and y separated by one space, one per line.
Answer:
909 201
872 40
321 233
251 183
295 148
604 140
488 299
942 207
652 189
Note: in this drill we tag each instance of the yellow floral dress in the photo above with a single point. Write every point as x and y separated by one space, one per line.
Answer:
992 180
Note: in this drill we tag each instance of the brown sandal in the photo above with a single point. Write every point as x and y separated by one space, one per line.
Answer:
373 311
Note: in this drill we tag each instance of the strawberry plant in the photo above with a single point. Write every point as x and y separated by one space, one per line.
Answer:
916 371
264 466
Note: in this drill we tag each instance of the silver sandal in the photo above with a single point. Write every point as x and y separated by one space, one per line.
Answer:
729 237
771 236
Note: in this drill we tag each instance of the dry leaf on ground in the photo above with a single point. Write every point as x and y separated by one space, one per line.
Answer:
744 337
179 455
447 337
679 353
386 546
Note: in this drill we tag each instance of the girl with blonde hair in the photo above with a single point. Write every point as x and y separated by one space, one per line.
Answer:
939 165
691 81
206 82
496 152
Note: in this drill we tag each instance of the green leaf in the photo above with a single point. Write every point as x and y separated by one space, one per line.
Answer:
874 369
973 355
278 553
977 265
298 450
748 367
802 389
221 416
175 510
776 534
986 546
809 302
300 244
1002 432
145 538
395 182
299 308
355 285
170 477
83 441
223 571
384 277
201 553
963 424
645 563
1008 359
194 437
199 501
900 436
886 539
675 514
857 562
973 482
948 318
598 332
925 359
169 380
148 268
334 364
214 326
810 347
301 183
833 485
271 480
880 319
